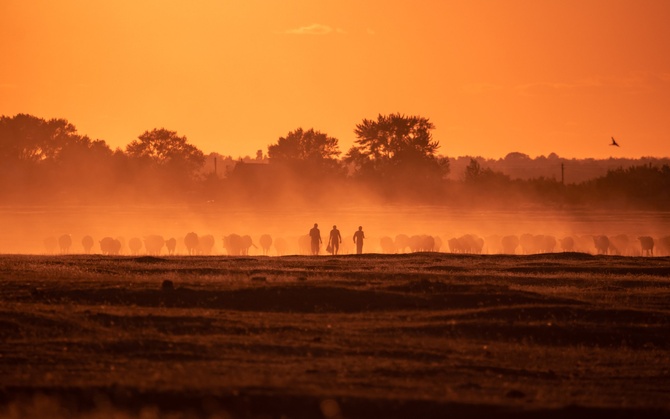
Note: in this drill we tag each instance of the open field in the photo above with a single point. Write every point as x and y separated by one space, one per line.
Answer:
26 228
416 335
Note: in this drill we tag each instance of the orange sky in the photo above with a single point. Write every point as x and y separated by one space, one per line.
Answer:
234 75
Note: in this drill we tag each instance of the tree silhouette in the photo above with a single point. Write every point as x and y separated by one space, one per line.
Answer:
396 136
641 186
306 152
301 165
42 159
395 156
26 138
398 151
165 150
303 145
163 165
473 172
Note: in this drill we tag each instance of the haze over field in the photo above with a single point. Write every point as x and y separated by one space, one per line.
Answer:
498 172
57 183
25 230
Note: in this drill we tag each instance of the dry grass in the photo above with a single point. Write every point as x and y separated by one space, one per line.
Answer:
423 335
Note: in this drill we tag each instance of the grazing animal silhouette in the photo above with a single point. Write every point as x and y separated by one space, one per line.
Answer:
567 244
387 245
583 244
469 243
527 243
427 243
265 242
509 244
110 246
154 244
191 241
455 245
415 244
233 244
401 243
171 245
237 245
135 244
619 245
438 243
122 244
647 245
64 243
422 243
475 244
614 143
206 244
602 244
247 243
87 242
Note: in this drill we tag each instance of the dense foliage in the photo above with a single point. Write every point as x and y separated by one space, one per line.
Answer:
394 159
397 155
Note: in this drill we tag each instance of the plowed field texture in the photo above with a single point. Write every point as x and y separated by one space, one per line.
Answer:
371 336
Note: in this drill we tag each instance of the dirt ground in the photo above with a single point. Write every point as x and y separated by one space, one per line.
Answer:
392 336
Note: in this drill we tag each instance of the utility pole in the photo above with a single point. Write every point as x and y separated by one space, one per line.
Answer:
215 167
562 174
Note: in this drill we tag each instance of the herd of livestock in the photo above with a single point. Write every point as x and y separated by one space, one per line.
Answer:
241 245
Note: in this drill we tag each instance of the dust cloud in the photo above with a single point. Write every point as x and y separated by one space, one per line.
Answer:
60 191
37 229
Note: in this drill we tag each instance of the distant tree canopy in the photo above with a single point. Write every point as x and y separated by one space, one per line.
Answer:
48 159
39 158
397 150
26 138
396 136
643 185
308 151
396 144
304 145
394 157
473 172
164 149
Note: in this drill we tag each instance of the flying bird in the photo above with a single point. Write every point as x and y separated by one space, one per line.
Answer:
614 142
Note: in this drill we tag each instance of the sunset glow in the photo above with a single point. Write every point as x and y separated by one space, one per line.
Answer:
233 76
334 208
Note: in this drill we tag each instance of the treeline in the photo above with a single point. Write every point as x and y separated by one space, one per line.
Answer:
521 166
394 159
642 186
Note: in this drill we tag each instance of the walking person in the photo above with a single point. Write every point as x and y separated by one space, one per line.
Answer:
315 236
334 240
358 239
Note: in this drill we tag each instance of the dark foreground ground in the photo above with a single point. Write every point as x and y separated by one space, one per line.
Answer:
422 335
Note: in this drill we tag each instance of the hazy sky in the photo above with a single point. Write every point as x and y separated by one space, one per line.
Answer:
534 76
